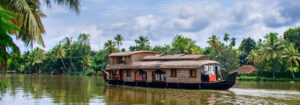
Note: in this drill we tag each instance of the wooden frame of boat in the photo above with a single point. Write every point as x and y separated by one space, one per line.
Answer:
149 69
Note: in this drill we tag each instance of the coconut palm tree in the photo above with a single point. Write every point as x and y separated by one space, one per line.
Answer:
60 53
29 16
293 57
142 42
36 58
6 42
253 57
233 42
226 37
119 39
273 49
110 46
213 41
67 42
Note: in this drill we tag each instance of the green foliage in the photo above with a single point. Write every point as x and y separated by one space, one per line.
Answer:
248 45
166 49
110 46
6 28
119 40
142 43
293 36
255 78
227 57
29 17
185 45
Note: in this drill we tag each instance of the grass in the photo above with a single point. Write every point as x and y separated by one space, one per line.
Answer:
255 78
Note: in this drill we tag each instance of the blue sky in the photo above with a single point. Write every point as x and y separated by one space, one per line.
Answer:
161 20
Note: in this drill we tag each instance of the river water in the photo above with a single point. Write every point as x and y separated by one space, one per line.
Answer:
61 89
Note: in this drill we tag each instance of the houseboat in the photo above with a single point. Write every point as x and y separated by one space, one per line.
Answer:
150 69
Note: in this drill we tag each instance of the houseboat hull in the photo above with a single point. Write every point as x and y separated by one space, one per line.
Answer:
220 85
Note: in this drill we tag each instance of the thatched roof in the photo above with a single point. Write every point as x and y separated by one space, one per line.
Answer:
161 64
174 57
130 53
246 68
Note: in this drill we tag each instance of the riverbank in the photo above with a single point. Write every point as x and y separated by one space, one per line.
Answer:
255 78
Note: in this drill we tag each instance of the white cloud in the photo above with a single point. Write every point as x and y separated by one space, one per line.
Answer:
162 20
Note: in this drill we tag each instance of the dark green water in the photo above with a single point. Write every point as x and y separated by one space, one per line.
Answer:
50 89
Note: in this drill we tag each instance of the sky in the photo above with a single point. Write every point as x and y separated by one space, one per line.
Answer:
162 20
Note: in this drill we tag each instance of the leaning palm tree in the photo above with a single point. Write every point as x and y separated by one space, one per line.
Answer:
293 56
29 16
60 53
273 50
6 42
142 42
67 42
119 39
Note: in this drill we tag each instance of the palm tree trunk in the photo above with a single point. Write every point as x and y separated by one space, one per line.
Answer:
292 71
273 69
62 61
5 61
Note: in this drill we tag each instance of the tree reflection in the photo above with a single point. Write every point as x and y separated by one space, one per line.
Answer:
154 96
61 88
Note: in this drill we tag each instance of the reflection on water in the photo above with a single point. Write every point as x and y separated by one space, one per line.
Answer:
49 89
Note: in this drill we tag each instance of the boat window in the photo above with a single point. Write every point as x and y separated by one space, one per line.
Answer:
140 75
173 73
193 73
160 75
128 73
121 60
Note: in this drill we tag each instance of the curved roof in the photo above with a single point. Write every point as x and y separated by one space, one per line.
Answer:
161 64
246 68
174 57
130 53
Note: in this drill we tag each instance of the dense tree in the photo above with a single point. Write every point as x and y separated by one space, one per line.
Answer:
293 57
246 46
29 17
273 50
6 42
293 36
165 49
185 45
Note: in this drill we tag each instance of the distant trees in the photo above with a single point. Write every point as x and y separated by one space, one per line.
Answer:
110 46
246 47
6 42
119 40
273 56
185 45
293 57
218 51
142 43
293 35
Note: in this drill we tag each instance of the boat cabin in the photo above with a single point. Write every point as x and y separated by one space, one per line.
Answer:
148 68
